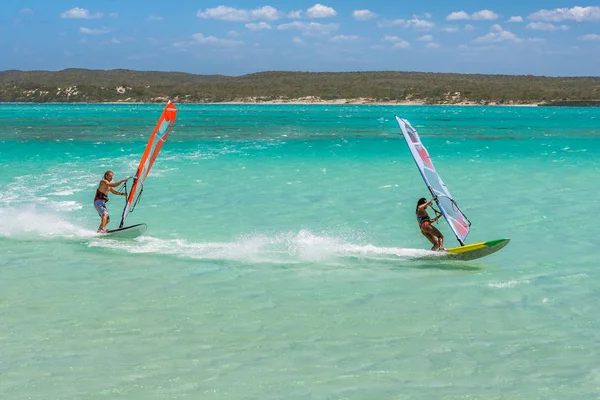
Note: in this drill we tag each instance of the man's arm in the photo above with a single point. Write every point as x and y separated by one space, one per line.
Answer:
114 184
116 192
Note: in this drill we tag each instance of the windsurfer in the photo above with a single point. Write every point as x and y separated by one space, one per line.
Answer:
429 231
106 185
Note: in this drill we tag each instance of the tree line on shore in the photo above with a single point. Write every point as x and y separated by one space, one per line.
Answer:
92 86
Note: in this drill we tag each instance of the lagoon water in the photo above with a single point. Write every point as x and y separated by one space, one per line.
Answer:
279 261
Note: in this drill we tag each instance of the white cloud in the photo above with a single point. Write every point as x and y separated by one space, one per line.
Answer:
115 41
403 44
517 18
497 35
233 33
260 26
363 15
155 18
26 11
591 37
211 40
320 11
344 38
113 15
546 26
428 15
397 42
425 38
494 37
200 39
266 13
419 24
298 41
457 15
579 14
415 23
389 38
474 50
450 28
316 11
309 28
469 28
80 13
432 45
88 31
183 45
483 15
225 13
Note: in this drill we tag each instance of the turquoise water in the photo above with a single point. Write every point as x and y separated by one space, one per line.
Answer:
279 260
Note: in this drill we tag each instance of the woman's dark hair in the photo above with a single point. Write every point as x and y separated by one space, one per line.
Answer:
421 201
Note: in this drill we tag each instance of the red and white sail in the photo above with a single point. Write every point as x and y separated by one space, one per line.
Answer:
155 143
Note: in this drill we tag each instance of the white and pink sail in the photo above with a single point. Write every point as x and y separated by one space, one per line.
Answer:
458 222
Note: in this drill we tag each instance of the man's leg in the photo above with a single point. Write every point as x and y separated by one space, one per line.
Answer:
105 220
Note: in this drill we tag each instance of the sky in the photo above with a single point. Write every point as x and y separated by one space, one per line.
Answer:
551 38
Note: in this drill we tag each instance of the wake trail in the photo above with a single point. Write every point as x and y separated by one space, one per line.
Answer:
281 248
292 247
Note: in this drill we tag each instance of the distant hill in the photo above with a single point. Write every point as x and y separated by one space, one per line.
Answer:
84 85
115 77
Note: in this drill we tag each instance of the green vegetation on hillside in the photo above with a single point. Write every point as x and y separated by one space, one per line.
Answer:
81 85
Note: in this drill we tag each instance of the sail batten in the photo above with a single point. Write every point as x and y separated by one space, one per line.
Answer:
153 147
458 222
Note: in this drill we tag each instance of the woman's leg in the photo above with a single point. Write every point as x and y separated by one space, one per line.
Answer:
439 236
426 231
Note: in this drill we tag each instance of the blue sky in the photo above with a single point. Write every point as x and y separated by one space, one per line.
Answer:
555 38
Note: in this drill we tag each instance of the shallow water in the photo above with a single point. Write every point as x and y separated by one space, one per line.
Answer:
279 260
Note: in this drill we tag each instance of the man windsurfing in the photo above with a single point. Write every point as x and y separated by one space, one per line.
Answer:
106 185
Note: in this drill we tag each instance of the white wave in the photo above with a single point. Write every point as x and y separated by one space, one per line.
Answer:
575 276
60 181
65 205
63 193
508 284
160 172
29 221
